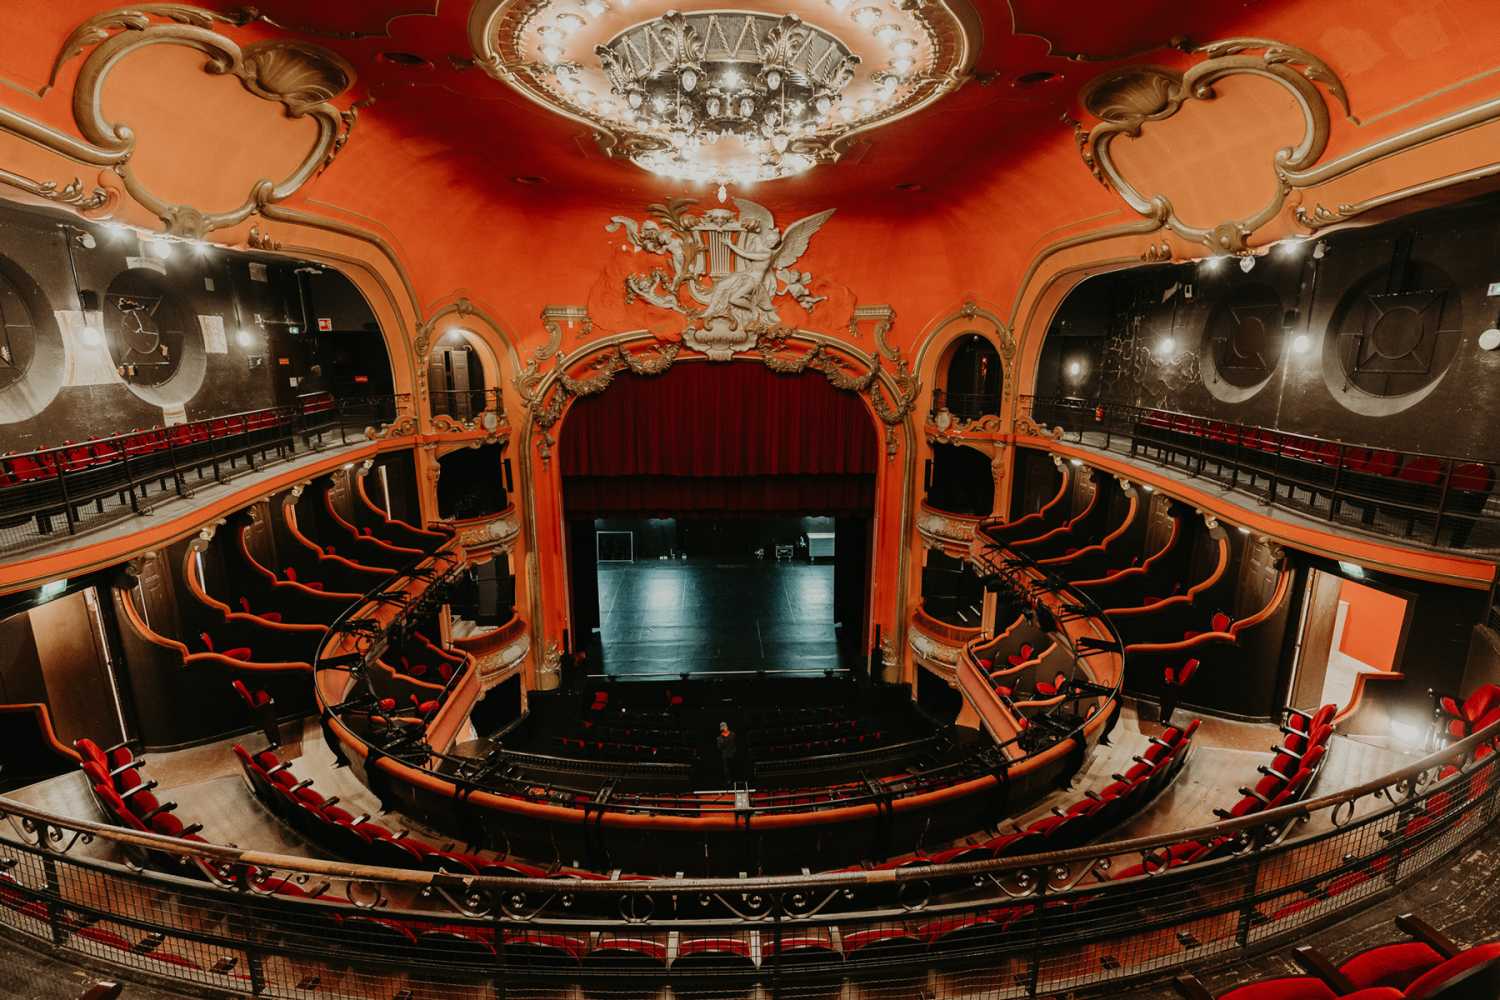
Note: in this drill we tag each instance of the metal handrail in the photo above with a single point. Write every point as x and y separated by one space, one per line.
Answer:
1403 778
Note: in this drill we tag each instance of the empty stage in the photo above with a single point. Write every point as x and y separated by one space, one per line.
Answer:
670 617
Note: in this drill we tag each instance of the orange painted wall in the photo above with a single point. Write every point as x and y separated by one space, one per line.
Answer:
1372 630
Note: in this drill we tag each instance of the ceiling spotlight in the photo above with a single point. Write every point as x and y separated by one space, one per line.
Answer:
904 47
160 249
1212 263
595 7
115 230
568 22
552 53
1075 368
866 17
245 339
902 65
1166 346
201 247
1301 343
867 106
1291 248
887 31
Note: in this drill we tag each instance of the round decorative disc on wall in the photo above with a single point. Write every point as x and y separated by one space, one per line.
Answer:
1243 341
1393 340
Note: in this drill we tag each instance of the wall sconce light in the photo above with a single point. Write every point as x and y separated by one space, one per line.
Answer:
1075 368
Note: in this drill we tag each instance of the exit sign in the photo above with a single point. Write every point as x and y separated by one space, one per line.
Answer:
1494 289
325 324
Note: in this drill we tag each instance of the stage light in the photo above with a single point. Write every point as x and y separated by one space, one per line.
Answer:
160 249
1211 264
1166 346
245 339
1301 343
1075 368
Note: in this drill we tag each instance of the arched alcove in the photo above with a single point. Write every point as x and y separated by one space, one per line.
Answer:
960 480
472 483
971 378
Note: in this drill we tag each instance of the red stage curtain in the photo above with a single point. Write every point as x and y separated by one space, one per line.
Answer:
721 439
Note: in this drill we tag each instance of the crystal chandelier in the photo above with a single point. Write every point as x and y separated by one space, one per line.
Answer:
756 85
727 96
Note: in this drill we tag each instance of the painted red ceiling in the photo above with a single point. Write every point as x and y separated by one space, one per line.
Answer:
489 135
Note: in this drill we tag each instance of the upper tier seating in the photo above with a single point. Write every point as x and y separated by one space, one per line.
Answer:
1457 719
1407 488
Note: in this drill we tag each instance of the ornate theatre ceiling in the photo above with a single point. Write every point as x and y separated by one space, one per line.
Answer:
936 90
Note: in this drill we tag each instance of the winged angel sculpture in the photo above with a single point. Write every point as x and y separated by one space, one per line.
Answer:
732 268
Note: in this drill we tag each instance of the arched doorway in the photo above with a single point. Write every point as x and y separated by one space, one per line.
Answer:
719 519
971 385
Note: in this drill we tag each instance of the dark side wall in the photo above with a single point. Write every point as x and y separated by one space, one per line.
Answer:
1388 319
241 331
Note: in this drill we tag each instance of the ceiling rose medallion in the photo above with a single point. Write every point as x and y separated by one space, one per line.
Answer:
728 269
727 96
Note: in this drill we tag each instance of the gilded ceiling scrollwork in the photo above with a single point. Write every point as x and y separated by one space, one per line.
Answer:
303 78
1125 100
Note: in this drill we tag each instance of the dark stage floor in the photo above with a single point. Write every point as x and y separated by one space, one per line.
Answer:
700 616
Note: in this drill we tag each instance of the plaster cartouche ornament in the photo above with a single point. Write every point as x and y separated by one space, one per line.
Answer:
727 270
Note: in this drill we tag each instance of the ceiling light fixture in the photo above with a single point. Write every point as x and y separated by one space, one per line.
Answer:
727 96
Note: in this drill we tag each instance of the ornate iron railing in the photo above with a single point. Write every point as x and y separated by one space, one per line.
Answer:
248 922
49 494
1440 500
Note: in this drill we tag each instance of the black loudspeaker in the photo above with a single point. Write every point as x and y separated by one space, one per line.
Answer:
88 300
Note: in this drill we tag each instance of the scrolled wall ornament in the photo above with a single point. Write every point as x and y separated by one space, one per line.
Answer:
727 268
303 78
72 193
1125 100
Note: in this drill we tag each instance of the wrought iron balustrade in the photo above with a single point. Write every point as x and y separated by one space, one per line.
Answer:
1439 500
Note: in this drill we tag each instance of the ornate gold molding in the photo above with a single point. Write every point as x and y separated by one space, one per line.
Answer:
71 193
1124 100
881 318
303 78
891 395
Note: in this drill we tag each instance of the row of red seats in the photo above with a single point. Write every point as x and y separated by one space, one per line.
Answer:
357 837
1426 965
23 468
125 798
1460 718
1420 469
1288 778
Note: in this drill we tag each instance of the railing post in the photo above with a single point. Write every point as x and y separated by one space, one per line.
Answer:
176 472
256 967
1252 878
62 484
1338 480
53 887
1275 467
213 454
343 414
1039 938
776 902
1437 518
135 504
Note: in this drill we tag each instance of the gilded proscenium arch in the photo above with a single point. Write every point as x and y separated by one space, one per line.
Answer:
1126 100
954 26
611 355
303 78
